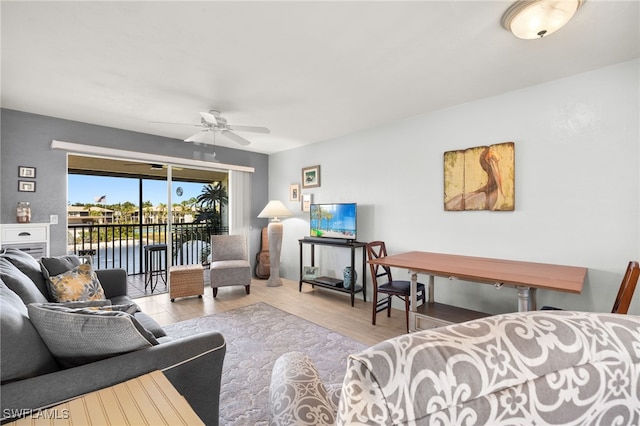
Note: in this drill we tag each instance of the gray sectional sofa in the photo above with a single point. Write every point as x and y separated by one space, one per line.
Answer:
528 368
42 368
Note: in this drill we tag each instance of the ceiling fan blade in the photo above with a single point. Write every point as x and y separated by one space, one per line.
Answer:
176 124
209 118
256 129
200 137
237 139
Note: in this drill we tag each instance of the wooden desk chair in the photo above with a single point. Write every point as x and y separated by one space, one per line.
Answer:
625 292
627 287
388 286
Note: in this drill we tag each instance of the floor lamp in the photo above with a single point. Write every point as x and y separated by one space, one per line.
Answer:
274 210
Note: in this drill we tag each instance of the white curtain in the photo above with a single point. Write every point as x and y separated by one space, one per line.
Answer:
239 203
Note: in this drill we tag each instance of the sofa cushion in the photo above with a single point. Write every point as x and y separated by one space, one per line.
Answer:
83 335
29 266
22 351
20 283
80 283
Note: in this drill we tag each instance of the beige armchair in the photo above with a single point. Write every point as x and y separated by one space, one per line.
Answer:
229 262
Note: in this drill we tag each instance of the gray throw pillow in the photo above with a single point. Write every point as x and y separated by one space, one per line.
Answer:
19 283
29 266
77 336
52 266
22 351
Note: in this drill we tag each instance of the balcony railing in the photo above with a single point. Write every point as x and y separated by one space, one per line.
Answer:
122 245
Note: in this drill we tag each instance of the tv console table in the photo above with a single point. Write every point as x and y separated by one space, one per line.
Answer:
352 289
527 277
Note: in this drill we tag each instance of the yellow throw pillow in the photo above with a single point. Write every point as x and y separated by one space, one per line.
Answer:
78 284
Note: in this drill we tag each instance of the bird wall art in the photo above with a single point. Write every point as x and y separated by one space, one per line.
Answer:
480 178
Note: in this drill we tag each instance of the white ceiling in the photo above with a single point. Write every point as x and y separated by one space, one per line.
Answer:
309 71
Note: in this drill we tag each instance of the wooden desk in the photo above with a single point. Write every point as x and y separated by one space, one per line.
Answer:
146 400
525 276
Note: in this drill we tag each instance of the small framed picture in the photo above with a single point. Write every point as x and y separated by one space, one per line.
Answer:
311 177
306 202
26 172
26 186
294 192
309 272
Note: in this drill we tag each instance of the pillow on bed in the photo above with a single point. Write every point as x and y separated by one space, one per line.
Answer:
77 336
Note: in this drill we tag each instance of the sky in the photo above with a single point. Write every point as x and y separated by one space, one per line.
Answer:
87 189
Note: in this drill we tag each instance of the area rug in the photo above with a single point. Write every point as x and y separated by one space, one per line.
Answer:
256 336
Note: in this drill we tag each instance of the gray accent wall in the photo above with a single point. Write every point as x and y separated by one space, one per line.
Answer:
26 140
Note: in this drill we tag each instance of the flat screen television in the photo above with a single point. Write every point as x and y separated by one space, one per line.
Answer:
337 221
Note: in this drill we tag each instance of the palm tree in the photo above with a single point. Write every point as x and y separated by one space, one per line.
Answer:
162 212
147 207
128 209
188 206
210 202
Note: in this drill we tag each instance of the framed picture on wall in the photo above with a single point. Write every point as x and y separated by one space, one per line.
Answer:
294 192
306 202
26 186
311 177
26 172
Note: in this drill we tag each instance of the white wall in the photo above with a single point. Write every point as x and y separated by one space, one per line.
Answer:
577 186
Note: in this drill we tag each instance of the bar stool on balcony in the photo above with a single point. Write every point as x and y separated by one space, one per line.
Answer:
154 269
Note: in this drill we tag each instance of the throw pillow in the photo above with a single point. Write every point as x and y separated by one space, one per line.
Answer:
80 283
29 266
77 336
22 351
52 266
19 283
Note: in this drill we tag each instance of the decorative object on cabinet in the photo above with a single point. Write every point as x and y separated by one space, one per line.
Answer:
274 210
306 202
294 192
310 272
480 178
26 186
26 172
349 275
23 212
311 177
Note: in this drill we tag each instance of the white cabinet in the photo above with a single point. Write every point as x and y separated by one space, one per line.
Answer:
32 238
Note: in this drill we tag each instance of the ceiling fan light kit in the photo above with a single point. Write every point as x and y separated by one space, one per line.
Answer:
532 19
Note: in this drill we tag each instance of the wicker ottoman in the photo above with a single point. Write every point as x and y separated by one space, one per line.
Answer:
186 280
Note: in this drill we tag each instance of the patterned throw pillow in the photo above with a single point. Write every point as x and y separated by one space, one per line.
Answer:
78 284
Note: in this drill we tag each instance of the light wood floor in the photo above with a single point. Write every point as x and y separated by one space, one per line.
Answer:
324 307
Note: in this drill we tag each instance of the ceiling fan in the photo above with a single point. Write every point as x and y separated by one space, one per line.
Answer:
213 122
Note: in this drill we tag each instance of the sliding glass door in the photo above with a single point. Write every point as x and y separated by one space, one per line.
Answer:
116 207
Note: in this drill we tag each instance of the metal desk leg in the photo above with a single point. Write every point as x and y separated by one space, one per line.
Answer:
526 299
432 289
413 300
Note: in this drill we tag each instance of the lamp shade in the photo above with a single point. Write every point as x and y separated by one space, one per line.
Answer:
531 19
274 210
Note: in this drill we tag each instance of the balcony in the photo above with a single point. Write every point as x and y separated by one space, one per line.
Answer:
122 245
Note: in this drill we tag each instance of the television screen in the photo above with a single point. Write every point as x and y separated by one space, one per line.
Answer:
334 220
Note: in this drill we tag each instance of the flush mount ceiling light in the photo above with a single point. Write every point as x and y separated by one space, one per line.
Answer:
530 19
